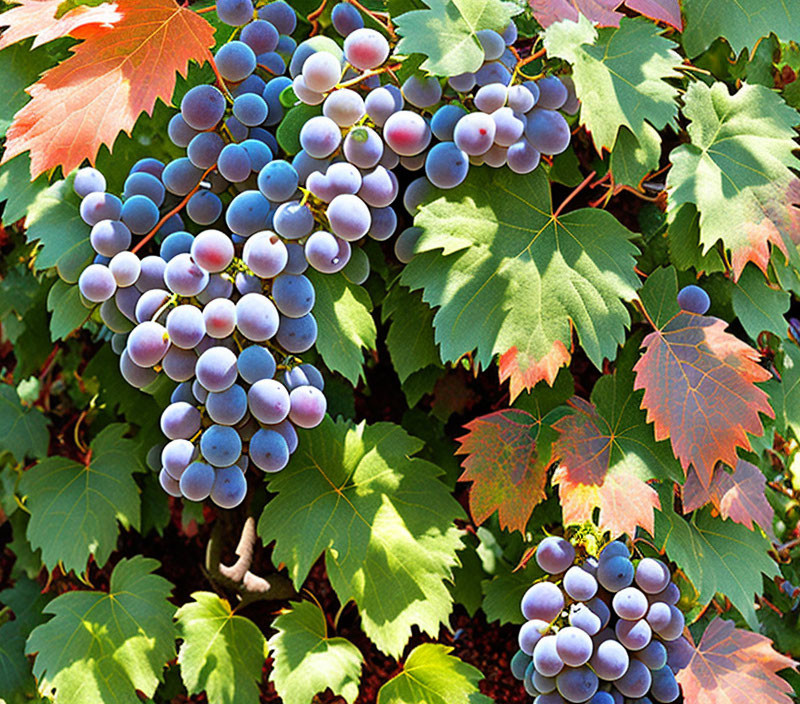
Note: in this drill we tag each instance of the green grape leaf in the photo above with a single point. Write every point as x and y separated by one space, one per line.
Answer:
53 219
27 602
222 653
20 67
24 430
16 189
466 587
736 170
307 661
758 305
68 313
716 555
345 324
620 76
607 454
742 24
503 593
683 239
421 383
383 519
75 507
447 32
410 336
432 675
513 279
101 647
633 159
785 394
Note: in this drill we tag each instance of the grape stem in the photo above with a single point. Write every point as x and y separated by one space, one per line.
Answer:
220 80
238 576
574 193
314 18
202 10
368 74
172 212
375 16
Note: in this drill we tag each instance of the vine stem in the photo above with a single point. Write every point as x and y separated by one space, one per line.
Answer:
203 10
220 80
314 17
574 193
368 74
172 212
375 16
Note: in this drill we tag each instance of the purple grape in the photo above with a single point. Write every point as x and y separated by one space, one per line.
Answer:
630 604
220 445
615 573
654 655
184 277
694 299
579 584
543 601
88 180
674 629
169 485
634 635
320 137
577 684
554 555
142 183
636 681
659 615
308 406
281 15
196 482
269 450
255 363
177 455
179 364
346 20
216 369
219 317
679 653
365 49
407 133
610 660
581 617
475 133
546 658
185 326
203 107
180 420
148 343
256 317
422 92
530 634
297 335
552 93
96 283
547 131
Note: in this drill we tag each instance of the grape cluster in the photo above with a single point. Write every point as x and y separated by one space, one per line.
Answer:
214 294
605 631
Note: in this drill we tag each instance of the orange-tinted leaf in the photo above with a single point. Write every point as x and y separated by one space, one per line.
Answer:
584 450
738 496
506 467
524 372
601 11
732 666
668 11
111 78
700 392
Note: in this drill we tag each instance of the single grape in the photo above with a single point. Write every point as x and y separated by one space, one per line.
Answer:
326 253
520 99
579 584
229 488
293 220
268 401
297 335
366 49
543 684
269 450
527 681
179 364
219 318
148 343
126 299
181 176
185 326
265 254
492 44
615 548
196 482
293 295
346 19
446 166
220 445
281 15
88 180
216 369
98 205
379 187
508 127
444 121
383 102
547 131
654 655
177 455
245 283
142 183
349 217
406 243
407 133
552 93
577 684
180 420
475 133
261 36
234 163
363 147
610 660
174 244
168 484
422 92
636 680
184 277
256 317
320 137
278 180
321 71
679 653
522 158
307 406
288 433
96 283
574 646
256 363
304 93
463 82
694 299
543 601
235 60
546 658
259 153
204 208
581 617
491 97
227 407
630 604
652 576
519 664
634 635
271 94
118 342
247 213
615 573
674 629
212 250
492 72
659 615
554 555
384 223
203 107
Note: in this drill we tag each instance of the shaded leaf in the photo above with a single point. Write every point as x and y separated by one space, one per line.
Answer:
507 456
785 394
410 336
111 77
382 518
17 191
307 661
758 305
222 653
699 386
27 602
23 429
738 495
432 675
75 507
68 312
620 76
607 454
732 665
288 131
447 32
38 19
633 159
346 327
716 555
19 67
101 647
741 24
503 593
511 279
736 170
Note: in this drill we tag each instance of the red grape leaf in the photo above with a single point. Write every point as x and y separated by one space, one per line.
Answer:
738 496
524 371
109 80
607 453
731 666
698 381
668 11
507 470
603 12
37 18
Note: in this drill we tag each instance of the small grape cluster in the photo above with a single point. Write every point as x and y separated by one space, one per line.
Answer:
605 631
219 301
